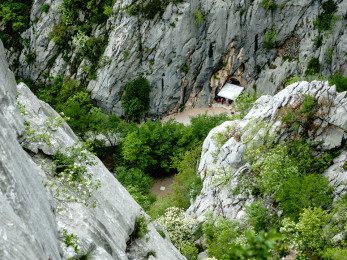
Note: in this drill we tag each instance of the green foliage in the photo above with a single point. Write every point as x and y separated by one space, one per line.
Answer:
150 147
259 246
151 253
292 80
141 228
258 216
328 52
318 41
60 35
77 110
137 183
15 19
69 177
179 227
221 234
269 5
149 9
190 252
30 57
70 240
339 81
135 101
15 15
270 39
162 233
133 177
243 104
299 192
125 55
187 183
312 232
199 17
326 20
45 8
185 68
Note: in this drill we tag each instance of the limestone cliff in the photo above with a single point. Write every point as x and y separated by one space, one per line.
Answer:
189 52
218 161
33 217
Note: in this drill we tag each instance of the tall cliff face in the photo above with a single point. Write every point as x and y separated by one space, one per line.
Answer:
33 216
190 51
217 160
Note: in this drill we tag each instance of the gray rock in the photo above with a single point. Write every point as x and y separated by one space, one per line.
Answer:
28 228
217 162
30 224
173 40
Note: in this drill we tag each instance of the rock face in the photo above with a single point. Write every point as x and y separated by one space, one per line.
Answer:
30 224
217 161
188 60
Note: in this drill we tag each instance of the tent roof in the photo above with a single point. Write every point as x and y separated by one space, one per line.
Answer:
230 91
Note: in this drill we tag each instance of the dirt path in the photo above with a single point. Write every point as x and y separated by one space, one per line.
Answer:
184 117
161 186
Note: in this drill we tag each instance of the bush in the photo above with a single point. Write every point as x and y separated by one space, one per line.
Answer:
133 177
185 68
299 192
313 67
326 19
259 246
270 40
221 234
339 81
258 216
187 182
243 104
60 35
135 101
199 17
269 5
179 226
45 8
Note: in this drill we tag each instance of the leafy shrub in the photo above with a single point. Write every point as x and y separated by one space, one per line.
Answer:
243 104
141 227
179 227
151 146
258 246
313 67
187 183
60 34
15 15
199 17
318 41
326 19
45 8
311 232
70 240
185 68
258 216
135 101
300 192
221 234
339 81
133 177
150 9
270 40
269 5
292 80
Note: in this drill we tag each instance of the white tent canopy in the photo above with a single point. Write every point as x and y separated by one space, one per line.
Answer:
230 91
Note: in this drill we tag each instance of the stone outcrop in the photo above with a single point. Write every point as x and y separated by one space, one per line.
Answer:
229 158
227 44
31 224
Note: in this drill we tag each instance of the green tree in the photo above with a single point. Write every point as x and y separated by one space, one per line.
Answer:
135 100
